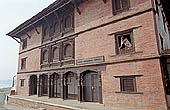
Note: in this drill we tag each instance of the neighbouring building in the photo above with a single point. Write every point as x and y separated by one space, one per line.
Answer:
113 52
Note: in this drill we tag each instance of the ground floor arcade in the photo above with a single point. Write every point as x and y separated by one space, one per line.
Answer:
84 86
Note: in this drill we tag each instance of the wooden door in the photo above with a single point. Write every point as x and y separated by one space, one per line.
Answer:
91 90
33 85
95 87
44 85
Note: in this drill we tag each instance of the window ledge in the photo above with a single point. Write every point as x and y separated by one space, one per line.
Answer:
129 92
129 53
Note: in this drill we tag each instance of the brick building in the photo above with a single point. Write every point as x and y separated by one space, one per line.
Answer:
113 52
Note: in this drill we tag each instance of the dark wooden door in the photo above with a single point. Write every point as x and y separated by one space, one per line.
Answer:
33 85
95 87
91 90
44 85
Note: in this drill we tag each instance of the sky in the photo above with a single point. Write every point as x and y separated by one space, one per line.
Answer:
12 14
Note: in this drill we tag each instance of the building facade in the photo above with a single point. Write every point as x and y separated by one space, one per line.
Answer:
113 52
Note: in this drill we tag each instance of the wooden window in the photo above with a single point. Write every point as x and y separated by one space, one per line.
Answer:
56 53
51 31
23 63
162 42
45 56
45 32
128 84
56 27
24 44
120 5
68 23
22 82
124 42
68 50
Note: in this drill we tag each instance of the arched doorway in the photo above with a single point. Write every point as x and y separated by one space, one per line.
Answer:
55 85
33 85
90 86
70 85
43 85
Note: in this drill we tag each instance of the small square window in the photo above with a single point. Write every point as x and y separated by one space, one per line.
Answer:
128 84
24 44
124 42
23 63
120 5
22 82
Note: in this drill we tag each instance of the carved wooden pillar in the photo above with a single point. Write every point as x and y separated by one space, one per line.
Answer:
65 87
62 86
79 86
29 86
38 86
49 88
82 86
100 88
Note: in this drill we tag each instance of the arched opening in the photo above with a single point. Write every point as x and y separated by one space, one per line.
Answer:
55 85
45 56
90 87
45 32
68 50
56 27
68 22
43 83
70 85
33 85
56 54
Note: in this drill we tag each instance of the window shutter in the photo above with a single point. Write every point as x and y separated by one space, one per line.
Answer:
128 85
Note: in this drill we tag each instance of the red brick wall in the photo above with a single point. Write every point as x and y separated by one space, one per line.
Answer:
33 56
150 84
22 90
97 42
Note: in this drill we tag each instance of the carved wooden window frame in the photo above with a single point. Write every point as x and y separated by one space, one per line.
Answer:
68 13
51 28
71 43
58 23
45 32
117 42
44 50
53 47
114 5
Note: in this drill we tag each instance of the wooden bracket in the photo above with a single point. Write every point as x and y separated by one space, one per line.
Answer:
27 34
77 8
36 29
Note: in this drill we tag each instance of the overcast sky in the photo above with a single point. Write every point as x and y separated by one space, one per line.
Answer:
13 13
